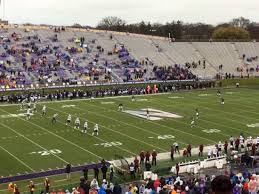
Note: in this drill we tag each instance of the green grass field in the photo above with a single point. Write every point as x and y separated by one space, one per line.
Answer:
37 144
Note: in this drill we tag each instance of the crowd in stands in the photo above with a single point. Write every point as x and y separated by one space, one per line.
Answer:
54 57
27 57
176 72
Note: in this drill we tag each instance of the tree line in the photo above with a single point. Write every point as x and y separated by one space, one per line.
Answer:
237 29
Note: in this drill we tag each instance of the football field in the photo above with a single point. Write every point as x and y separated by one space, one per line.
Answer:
38 144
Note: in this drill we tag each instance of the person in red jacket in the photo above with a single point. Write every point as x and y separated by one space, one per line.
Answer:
142 157
189 150
154 155
136 164
147 156
156 184
184 152
201 150
226 147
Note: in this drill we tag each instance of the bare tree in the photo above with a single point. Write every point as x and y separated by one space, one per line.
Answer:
111 23
240 22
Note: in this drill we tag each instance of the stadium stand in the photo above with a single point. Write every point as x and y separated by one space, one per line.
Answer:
44 55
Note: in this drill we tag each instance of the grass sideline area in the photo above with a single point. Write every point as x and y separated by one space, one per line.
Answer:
37 144
245 82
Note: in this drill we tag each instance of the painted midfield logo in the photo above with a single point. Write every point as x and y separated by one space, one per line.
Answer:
154 114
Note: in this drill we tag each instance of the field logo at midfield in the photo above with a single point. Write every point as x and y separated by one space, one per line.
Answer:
253 125
68 106
211 131
14 115
154 114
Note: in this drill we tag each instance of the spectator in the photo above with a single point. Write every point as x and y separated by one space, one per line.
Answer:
117 189
132 171
104 170
96 172
68 171
221 185
154 155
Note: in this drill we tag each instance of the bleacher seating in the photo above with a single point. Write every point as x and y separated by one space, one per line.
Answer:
44 55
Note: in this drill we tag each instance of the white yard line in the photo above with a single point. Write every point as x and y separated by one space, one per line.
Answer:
20 161
171 128
53 134
106 141
135 126
33 142
113 131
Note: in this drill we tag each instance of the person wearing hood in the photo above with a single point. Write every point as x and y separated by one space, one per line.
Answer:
94 184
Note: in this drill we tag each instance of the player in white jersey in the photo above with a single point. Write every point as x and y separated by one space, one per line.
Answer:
34 108
85 127
54 118
23 104
29 105
197 114
28 114
44 111
77 123
69 118
192 123
96 130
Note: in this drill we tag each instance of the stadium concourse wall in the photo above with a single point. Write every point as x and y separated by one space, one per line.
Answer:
30 176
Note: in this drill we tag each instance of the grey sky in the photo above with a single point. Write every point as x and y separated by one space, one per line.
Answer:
89 12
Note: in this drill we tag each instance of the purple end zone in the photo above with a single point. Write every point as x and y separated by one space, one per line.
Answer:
48 173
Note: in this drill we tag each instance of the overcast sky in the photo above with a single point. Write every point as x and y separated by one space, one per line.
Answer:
89 12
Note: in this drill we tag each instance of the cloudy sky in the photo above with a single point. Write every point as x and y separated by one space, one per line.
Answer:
89 12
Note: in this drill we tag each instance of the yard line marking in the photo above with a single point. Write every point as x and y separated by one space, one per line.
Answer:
230 113
205 107
99 137
172 129
58 136
200 127
114 131
128 125
23 163
38 145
